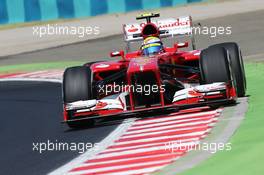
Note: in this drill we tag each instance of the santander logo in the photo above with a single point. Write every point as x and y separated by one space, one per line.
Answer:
163 24
194 93
133 29
170 24
101 105
175 24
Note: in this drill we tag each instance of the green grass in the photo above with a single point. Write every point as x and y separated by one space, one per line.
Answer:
38 66
247 155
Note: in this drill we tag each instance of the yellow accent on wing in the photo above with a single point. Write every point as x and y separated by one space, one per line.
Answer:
146 15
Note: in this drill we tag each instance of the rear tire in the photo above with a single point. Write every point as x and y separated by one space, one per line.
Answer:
237 65
77 85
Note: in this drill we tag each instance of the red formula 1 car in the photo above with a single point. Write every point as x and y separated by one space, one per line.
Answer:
154 79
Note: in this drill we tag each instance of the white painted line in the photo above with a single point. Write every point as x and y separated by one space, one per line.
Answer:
209 123
142 171
84 165
52 74
171 122
165 146
98 170
129 159
142 150
144 145
31 79
28 74
195 134
139 171
163 132
46 75
173 117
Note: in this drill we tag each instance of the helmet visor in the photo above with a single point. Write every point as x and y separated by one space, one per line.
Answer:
152 50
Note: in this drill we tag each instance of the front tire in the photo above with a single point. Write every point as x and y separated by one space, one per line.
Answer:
214 65
237 65
77 85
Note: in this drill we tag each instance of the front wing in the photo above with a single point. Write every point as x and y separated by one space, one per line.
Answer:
114 107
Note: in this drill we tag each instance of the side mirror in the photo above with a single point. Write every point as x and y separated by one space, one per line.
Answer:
181 45
118 53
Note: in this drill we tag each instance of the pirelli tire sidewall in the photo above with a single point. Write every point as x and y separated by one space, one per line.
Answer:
215 66
77 84
237 65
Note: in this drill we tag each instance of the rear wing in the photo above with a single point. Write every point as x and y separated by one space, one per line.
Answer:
167 27
170 27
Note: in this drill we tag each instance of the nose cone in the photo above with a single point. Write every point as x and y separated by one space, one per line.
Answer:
142 64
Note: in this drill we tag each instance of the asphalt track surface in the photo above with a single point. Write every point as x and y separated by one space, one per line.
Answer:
31 112
247 31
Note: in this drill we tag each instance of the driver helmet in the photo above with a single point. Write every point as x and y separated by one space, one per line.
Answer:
151 46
